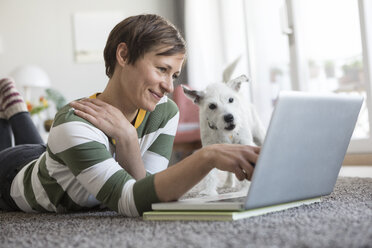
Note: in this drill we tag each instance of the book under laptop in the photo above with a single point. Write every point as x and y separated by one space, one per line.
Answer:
299 162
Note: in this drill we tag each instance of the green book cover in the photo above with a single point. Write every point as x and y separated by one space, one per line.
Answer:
222 215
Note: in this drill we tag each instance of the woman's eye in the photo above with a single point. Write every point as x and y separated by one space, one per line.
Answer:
212 106
162 69
231 100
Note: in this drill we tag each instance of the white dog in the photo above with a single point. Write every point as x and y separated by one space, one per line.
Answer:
225 118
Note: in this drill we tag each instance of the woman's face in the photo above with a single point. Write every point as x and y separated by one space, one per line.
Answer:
146 82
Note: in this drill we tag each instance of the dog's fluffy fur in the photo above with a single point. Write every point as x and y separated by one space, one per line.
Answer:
225 118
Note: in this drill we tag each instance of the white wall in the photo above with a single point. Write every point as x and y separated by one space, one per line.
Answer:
41 32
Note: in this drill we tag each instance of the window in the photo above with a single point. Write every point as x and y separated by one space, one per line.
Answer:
332 51
330 45
327 48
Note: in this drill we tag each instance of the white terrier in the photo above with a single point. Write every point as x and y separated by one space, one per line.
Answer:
225 119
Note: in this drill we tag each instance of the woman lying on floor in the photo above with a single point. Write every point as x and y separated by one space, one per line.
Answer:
113 148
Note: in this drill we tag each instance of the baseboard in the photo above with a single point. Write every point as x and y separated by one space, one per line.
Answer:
358 159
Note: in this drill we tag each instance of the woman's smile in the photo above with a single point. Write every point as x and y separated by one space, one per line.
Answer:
156 95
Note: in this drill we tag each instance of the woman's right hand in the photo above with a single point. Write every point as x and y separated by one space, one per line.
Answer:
175 181
238 159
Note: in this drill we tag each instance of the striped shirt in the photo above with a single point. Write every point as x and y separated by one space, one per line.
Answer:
78 171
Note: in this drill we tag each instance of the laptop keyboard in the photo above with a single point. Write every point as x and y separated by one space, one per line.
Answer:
235 199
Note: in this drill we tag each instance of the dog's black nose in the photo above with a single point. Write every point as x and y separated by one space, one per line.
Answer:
228 118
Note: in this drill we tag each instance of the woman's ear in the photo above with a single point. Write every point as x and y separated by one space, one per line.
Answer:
122 54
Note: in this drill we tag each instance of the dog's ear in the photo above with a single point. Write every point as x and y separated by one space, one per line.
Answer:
236 83
194 95
226 75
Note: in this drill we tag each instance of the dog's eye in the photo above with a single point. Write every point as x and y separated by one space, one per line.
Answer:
212 106
231 100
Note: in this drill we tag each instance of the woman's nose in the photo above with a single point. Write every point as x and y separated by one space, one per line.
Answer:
167 85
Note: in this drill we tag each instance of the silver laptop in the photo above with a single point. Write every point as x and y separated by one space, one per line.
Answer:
300 159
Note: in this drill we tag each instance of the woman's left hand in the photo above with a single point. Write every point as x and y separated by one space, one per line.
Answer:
104 116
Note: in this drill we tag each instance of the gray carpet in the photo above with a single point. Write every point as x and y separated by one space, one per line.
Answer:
342 219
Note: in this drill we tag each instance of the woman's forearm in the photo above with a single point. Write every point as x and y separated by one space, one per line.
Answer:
175 181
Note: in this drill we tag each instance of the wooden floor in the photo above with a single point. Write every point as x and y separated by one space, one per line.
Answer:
357 165
358 159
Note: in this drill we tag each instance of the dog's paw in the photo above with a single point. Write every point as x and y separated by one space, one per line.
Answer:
230 181
229 184
245 185
208 192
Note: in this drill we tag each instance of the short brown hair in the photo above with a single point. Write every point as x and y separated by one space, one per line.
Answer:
141 34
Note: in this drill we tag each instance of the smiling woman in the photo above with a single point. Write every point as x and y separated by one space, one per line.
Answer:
113 148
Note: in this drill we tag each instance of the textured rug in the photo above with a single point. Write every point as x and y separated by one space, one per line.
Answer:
342 219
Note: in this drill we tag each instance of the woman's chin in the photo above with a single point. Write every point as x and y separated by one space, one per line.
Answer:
149 107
